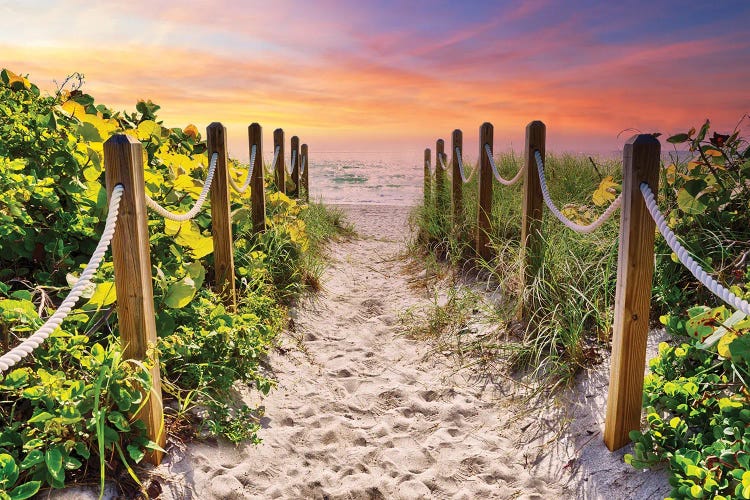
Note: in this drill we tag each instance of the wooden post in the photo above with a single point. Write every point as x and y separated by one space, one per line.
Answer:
257 189
427 178
305 178
635 269
531 212
294 167
484 209
131 254
439 179
221 219
458 183
280 174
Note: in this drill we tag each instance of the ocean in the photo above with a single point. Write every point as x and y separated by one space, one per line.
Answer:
370 178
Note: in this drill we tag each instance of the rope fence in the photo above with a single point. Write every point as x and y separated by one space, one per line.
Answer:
639 219
126 231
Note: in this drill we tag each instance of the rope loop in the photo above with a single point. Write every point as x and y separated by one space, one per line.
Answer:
496 173
198 203
27 346
682 254
464 178
243 188
590 228
290 168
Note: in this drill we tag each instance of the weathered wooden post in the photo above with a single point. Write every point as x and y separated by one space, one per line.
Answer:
221 219
531 212
458 208
427 178
131 254
635 270
294 167
484 209
304 176
280 173
257 189
439 179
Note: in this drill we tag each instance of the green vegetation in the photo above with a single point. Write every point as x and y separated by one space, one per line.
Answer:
697 397
70 405
571 299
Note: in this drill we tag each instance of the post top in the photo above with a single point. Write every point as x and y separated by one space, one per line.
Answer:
122 139
643 140
440 142
457 131
213 125
486 125
536 124
254 125
426 150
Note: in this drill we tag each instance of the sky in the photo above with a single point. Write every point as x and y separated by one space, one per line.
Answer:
395 76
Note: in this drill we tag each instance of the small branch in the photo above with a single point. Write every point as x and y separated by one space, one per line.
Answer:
595 168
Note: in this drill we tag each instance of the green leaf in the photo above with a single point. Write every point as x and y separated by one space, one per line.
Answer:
41 417
136 453
8 471
740 349
678 138
104 295
688 197
33 458
54 460
119 421
180 293
26 490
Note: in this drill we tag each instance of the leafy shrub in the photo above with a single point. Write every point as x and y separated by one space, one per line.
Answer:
73 401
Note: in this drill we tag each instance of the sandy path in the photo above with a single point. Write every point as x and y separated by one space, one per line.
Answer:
362 412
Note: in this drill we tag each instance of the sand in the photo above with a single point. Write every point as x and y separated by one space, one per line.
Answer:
362 411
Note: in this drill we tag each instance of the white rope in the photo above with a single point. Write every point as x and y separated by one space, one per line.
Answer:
497 175
198 203
590 228
290 169
302 165
27 346
428 166
461 170
275 158
249 177
682 254
442 161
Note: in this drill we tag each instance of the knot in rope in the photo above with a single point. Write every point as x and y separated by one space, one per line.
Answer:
590 228
27 346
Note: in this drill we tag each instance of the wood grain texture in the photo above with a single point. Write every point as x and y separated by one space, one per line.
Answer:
532 242
221 219
305 176
427 178
440 198
257 189
279 174
294 167
484 209
635 270
131 254
458 184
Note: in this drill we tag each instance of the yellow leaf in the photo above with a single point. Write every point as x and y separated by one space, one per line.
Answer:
605 193
671 172
712 152
148 129
723 346
192 131
74 109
